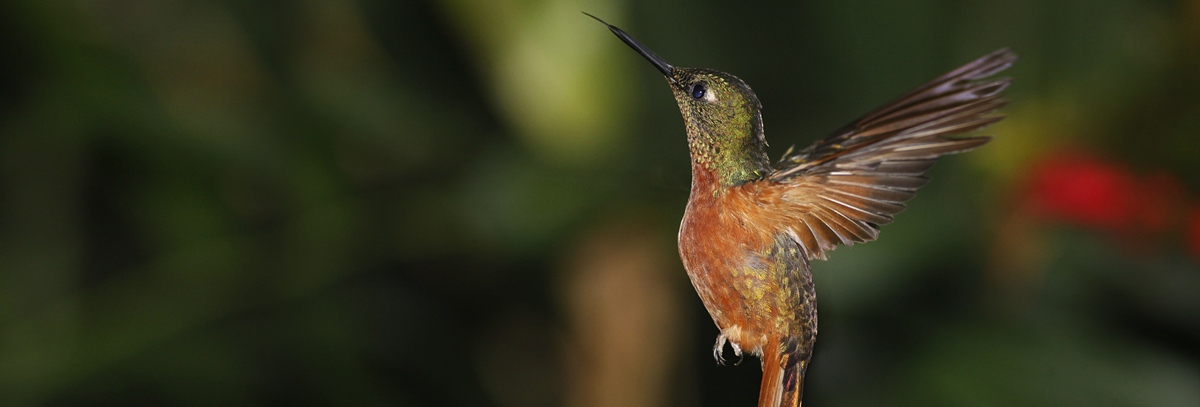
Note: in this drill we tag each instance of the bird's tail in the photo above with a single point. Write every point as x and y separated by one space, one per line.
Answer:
783 374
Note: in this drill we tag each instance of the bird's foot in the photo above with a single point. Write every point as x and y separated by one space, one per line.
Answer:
719 349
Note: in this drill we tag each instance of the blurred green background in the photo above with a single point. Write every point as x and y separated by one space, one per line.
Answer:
474 203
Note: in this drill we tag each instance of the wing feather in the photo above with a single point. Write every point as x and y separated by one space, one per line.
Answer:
843 188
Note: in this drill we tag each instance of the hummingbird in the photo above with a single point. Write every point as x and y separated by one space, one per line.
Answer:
752 227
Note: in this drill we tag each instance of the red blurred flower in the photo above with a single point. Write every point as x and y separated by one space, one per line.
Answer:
1079 188
1159 202
1193 232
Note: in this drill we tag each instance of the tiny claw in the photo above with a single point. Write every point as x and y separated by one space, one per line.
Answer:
737 350
719 349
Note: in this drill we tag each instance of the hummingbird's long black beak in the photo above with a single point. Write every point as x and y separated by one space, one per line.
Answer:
658 62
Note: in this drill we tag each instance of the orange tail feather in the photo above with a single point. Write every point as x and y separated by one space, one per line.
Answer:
783 376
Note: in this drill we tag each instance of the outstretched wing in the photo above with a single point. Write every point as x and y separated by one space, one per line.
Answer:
842 188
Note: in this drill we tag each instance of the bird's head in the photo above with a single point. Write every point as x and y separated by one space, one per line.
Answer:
722 114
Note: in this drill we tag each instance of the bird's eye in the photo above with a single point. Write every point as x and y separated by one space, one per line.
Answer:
698 90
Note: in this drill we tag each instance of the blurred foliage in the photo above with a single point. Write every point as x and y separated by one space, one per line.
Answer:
474 203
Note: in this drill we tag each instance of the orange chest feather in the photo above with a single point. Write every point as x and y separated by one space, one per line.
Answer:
723 227
723 241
